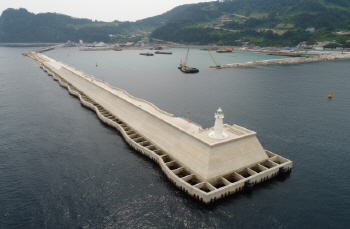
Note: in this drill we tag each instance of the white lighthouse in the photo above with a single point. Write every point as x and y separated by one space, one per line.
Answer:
218 132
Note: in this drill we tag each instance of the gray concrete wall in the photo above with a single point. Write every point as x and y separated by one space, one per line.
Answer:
187 149
206 161
229 187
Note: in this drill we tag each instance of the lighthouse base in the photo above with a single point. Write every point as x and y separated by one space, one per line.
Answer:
218 136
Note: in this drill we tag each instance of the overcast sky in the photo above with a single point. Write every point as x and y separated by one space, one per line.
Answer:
101 10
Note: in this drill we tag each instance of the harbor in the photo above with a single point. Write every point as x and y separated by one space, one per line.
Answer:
297 56
195 114
65 159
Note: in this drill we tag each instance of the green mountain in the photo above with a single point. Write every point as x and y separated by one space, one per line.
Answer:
19 25
234 22
22 26
262 22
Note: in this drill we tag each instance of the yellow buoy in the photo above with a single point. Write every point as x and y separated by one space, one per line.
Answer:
330 95
96 64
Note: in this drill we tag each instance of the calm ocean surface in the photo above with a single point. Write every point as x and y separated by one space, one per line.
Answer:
60 167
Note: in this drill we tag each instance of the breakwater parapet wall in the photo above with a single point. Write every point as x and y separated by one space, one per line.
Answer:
205 168
293 60
41 50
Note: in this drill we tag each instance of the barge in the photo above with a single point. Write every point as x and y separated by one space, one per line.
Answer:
158 52
147 54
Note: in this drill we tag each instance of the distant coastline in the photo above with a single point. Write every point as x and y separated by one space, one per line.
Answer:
27 44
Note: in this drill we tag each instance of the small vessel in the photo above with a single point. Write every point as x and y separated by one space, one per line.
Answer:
157 47
330 95
147 54
117 48
186 69
189 70
223 51
158 52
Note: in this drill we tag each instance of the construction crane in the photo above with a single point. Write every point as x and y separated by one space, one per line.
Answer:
218 66
185 63
227 49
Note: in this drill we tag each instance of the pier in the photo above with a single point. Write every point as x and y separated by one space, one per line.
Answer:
207 164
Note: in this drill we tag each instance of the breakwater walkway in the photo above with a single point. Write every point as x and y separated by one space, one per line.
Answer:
293 60
207 164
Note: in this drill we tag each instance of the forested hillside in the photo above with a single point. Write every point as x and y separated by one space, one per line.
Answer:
23 26
263 22
19 25
235 22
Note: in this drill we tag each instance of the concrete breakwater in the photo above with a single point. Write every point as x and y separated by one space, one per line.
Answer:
203 167
294 60
45 49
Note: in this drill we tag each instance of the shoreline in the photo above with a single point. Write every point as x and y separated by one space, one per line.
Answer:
308 56
34 44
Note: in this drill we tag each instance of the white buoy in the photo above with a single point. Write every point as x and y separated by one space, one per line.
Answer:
218 132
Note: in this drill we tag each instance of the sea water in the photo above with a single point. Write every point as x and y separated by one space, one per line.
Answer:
60 167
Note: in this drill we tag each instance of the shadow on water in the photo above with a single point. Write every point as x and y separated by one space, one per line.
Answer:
248 194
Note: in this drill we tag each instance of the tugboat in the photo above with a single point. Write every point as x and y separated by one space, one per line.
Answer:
186 69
